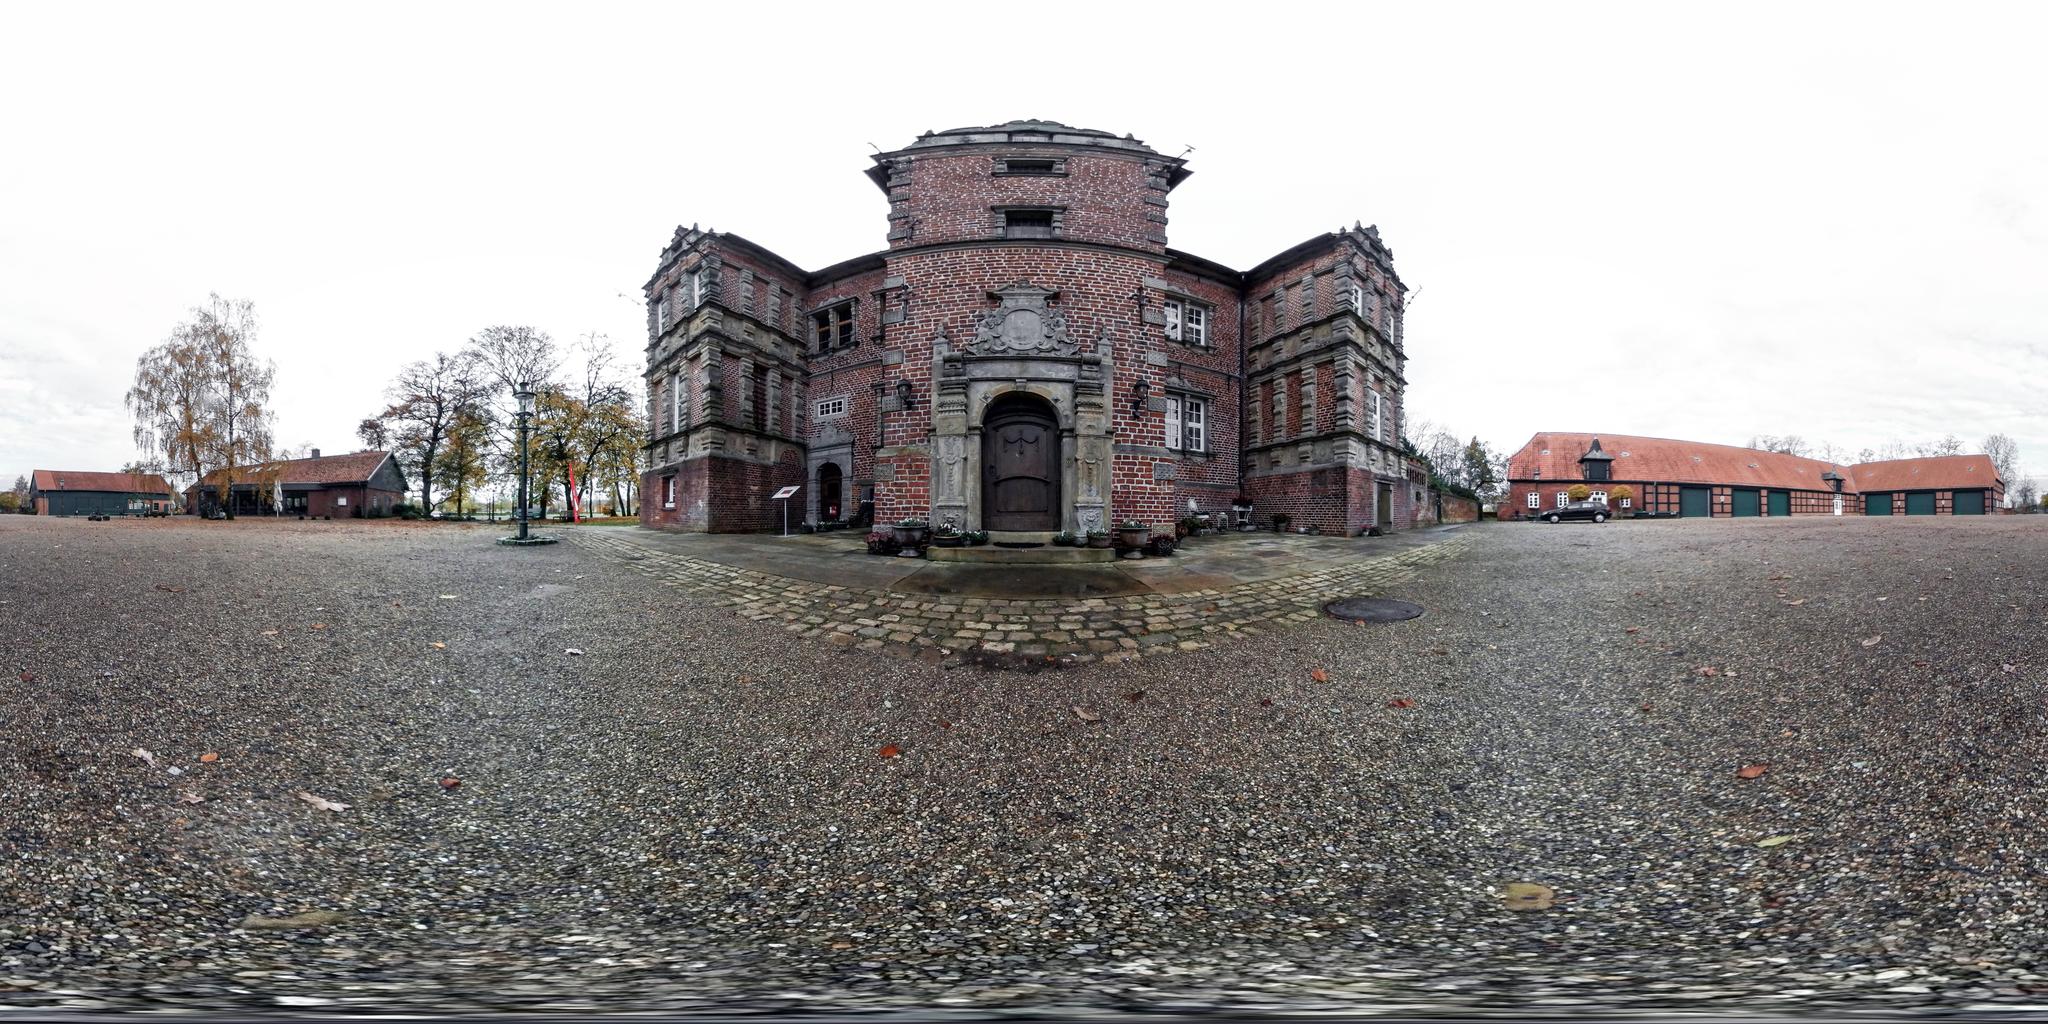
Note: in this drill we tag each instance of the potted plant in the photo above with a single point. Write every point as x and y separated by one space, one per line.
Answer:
1064 539
1188 526
909 532
1098 538
1131 534
882 542
977 538
1280 521
1160 545
945 535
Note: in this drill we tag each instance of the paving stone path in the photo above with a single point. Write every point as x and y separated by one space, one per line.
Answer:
1018 633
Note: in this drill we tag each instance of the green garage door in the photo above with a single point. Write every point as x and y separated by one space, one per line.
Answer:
1695 501
1969 503
1920 503
1877 504
1745 501
1781 503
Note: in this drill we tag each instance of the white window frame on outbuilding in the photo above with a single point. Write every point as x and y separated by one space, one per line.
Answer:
1535 500
1599 496
1564 498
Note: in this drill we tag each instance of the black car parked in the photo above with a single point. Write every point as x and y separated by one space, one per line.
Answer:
1594 510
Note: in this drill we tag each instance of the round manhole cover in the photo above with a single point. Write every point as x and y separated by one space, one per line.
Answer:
1371 609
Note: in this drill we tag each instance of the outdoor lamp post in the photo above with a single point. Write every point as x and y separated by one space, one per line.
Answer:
523 393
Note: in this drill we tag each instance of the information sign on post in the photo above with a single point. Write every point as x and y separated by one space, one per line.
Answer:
783 496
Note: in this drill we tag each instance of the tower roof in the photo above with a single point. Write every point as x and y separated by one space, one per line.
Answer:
1030 130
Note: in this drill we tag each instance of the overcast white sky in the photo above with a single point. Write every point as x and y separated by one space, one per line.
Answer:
1703 221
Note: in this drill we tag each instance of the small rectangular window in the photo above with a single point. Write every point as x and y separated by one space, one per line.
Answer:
1535 500
668 491
1187 322
1358 298
1599 496
832 327
1563 498
831 407
696 288
1194 425
675 402
661 311
1172 421
1030 166
1377 411
1027 224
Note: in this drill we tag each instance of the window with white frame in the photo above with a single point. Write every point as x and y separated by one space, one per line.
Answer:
1563 498
1535 500
1600 496
1358 298
1187 322
1625 501
696 288
661 311
1377 410
830 408
675 402
668 491
1187 423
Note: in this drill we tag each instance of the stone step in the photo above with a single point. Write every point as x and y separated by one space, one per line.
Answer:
1047 555
1019 537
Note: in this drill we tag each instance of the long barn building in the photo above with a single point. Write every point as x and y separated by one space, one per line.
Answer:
1698 480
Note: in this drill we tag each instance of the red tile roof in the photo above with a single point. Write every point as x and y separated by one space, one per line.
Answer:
126 483
1555 456
1942 472
1663 460
353 468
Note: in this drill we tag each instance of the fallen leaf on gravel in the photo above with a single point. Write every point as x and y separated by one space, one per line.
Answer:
1085 714
1528 896
1731 673
270 632
1796 602
1774 841
438 645
209 757
147 757
1752 771
2009 669
447 597
574 650
842 944
1400 702
321 802
319 625
1265 702
892 750
27 678
451 783
309 919
1632 629
168 589
1135 696
1873 641
1319 676
1789 732
1708 670
191 798
943 724
1918 663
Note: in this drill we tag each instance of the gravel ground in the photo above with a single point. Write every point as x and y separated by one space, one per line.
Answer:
694 813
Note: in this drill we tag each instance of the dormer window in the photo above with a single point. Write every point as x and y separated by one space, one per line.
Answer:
1598 471
1029 222
1042 167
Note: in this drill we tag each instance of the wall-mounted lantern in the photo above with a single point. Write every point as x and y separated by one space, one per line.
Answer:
1140 392
903 393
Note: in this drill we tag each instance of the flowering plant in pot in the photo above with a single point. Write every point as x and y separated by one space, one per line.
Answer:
882 542
1131 533
1160 545
1098 538
909 532
945 535
976 538
1064 539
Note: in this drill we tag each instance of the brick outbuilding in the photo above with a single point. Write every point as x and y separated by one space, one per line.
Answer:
356 485
1695 479
1027 355
63 492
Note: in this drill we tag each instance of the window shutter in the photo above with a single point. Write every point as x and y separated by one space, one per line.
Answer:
1173 320
1173 422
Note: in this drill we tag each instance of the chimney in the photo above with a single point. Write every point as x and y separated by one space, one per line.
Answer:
316 453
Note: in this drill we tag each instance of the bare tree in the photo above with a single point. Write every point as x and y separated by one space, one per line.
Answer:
427 398
374 434
1950 445
2005 456
2027 496
1788 444
202 399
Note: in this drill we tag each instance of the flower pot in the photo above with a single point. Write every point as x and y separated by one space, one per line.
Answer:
908 536
1099 542
948 540
1132 538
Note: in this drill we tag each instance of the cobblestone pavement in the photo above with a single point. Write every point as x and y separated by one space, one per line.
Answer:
1020 632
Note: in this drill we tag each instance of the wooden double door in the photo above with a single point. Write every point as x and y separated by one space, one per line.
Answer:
1020 467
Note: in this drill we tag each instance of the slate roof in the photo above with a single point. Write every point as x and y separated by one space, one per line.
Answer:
125 483
353 468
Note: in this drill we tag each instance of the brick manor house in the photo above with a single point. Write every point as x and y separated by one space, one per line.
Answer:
1027 355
